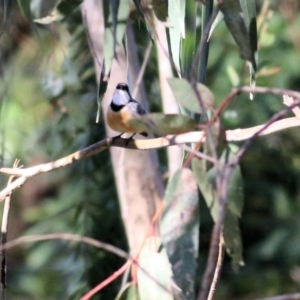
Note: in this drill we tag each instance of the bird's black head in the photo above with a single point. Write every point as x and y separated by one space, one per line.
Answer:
122 86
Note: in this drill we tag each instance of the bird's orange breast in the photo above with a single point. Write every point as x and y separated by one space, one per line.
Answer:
118 121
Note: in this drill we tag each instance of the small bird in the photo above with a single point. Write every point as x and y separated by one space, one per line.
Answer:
122 109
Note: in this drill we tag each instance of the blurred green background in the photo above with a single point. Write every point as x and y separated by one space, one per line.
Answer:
48 110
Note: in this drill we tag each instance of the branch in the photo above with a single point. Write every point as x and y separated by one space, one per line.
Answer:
229 167
4 229
65 236
169 140
217 269
255 90
106 282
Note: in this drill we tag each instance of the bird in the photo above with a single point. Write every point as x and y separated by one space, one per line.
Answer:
122 109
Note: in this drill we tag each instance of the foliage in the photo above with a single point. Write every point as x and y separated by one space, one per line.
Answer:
48 109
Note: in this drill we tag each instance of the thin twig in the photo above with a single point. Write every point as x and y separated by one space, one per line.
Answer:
256 90
170 140
275 118
64 236
211 262
142 70
225 178
217 269
106 282
4 227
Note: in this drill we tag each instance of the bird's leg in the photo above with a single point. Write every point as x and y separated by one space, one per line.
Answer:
129 139
116 137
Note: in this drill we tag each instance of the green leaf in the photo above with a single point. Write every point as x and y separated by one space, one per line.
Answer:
233 240
176 13
186 97
241 22
154 271
207 9
26 11
187 53
184 94
179 229
139 9
115 26
62 10
249 13
235 192
207 190
161 124
146 17
231 231
128 292
215 23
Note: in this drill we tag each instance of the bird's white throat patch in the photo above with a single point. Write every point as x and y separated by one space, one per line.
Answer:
120 97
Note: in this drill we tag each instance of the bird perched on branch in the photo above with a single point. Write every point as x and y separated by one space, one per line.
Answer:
122 109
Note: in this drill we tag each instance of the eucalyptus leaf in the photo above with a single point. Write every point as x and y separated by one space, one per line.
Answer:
154 271
161 124
186 96
231 230
179 229
128 292
242 27
115 26
176 13
26 11
233 240
139 9
188 44
249 13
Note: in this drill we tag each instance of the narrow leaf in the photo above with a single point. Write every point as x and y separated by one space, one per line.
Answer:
115 26
26 11
186 97
154 271
176 13
233 18
249 13
139 9
145 16
233 240
161 124
231 230
128 292
208 192
179 228
188 44
237 23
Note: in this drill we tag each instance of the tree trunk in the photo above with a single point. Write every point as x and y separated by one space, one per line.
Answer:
138 180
